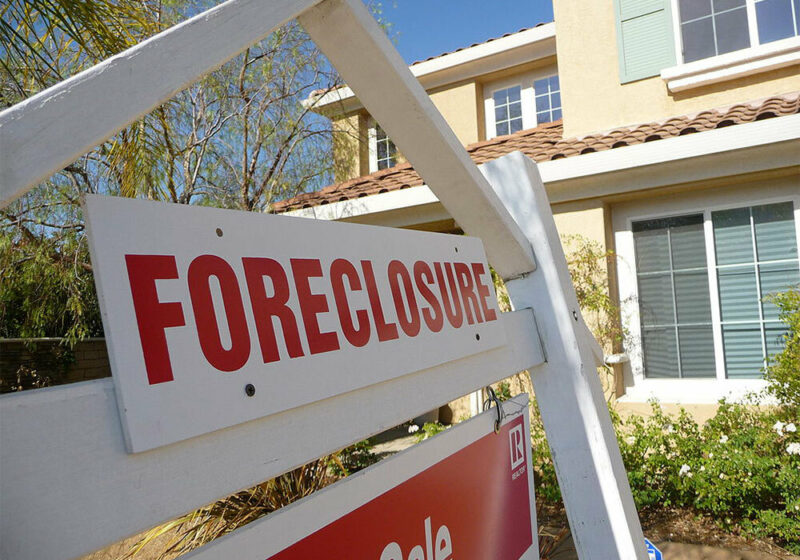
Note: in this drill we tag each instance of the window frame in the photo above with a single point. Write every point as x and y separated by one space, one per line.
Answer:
752 25
689 390
527 97
373 147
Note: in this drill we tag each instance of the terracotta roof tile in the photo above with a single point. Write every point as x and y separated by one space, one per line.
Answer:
545 143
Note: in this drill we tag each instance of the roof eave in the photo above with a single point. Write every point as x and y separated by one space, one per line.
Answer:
533 44
747 148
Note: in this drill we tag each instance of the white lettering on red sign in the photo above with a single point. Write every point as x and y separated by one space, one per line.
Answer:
440 549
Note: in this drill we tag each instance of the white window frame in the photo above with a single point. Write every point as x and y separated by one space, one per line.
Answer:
527 97
728 66
682 390
372 137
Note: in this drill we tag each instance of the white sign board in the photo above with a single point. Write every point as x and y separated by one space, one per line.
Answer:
466 494
216 317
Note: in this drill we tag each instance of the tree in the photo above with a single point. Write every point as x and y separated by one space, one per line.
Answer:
241 137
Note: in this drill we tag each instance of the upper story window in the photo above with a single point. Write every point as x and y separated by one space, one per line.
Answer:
521 102
508 110
713 27
548 99
382 151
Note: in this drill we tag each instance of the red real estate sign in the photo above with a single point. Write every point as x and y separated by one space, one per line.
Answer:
466 494
216 317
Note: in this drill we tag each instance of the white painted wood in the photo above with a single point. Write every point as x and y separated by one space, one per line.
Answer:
270 535
55 127
781 135
203 395
736 64
590 472
69 487
370 65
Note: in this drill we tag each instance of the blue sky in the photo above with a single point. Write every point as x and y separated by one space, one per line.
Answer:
425 28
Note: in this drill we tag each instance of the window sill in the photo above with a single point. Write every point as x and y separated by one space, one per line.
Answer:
730 66
691 391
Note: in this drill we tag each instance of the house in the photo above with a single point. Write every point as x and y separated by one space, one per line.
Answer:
668 131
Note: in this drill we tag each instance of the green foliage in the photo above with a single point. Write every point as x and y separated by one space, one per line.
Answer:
241 137
503 391
544 472
428 430
352 459
587 262
783 370
742 468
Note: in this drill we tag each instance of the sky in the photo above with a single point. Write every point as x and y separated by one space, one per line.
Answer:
425 28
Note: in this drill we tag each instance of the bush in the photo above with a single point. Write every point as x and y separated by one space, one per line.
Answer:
783 370
742 467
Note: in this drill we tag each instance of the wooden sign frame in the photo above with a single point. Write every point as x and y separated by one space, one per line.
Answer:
62 448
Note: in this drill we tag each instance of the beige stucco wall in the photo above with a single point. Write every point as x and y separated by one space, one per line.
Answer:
584 218
351 146
459 106
593 98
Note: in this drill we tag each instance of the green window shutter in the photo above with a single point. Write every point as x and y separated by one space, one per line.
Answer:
645 39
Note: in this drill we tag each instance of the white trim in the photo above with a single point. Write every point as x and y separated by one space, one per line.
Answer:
498 54
527 97
757 58
572 178
685 390
373 204
372 145
736 64
760 133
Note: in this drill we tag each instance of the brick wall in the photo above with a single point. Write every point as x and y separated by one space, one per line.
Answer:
88 359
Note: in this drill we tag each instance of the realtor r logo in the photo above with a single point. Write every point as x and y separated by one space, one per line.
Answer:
517 450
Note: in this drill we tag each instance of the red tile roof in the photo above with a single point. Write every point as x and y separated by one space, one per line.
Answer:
545 143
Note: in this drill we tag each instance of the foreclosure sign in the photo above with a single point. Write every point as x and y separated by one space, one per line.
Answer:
215 317
466 494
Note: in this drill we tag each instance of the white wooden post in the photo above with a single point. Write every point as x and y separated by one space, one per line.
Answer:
588 463
363 55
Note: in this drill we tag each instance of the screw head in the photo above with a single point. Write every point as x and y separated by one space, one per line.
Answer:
219 232
477 336
249 389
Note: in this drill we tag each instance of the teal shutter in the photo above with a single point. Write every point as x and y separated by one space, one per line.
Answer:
645 39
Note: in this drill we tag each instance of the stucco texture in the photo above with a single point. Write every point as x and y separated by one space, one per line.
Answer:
587 54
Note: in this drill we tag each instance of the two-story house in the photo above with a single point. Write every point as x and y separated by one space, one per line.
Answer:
666 130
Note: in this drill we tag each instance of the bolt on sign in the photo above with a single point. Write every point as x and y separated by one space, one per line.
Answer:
466 494
216 317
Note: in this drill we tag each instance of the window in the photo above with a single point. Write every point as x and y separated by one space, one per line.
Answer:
507 110
383 153
703 281
713 27
674 301
520 102
548 99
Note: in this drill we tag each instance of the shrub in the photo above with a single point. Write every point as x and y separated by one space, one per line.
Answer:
783 370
